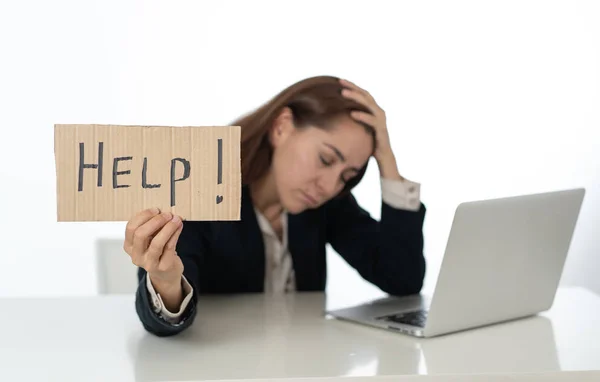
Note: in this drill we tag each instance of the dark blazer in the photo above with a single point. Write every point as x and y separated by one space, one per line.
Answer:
229 257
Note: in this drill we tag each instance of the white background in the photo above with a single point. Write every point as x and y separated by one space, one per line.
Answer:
484 99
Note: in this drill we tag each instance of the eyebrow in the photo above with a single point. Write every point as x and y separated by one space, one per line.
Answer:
337 152
340 155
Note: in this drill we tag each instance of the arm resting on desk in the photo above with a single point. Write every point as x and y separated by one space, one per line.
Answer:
160 323
159 306
152 313
388 253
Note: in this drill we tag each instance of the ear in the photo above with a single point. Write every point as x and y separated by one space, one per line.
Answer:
282 128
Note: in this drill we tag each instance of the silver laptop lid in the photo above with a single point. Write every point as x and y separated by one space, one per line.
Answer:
503 260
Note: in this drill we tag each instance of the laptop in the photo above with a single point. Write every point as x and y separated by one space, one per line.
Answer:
503 261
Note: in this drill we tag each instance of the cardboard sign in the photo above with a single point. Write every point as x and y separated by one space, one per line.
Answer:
112 172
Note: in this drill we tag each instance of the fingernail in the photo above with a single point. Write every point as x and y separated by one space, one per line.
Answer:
155 210
167 215
176 219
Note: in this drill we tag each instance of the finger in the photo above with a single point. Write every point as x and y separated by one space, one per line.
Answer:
357 88
143 235
367 98
138 220
360 98
367 118
158 243
349 84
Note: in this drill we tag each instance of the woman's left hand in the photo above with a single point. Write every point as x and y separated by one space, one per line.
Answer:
377 120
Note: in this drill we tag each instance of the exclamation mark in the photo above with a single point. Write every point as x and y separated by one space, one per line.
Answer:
219 167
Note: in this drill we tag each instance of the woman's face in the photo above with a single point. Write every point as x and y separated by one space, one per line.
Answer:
311 165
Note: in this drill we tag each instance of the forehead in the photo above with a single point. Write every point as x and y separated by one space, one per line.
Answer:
351 138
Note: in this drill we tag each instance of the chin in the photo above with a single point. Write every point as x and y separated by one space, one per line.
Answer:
293 206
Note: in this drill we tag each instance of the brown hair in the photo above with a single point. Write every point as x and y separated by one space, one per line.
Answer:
315 101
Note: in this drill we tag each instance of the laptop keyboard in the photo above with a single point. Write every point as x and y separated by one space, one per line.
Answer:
416 318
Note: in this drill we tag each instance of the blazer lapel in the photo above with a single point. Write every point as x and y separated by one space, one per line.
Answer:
252 248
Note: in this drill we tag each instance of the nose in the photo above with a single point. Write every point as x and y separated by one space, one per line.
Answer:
327 185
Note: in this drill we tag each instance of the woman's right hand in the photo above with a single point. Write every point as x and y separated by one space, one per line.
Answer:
150 241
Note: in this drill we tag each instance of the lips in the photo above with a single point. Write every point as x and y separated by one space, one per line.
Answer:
309 199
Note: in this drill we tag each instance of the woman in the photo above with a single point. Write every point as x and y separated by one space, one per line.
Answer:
302 153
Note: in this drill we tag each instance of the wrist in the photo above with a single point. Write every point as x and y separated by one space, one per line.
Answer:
165 286
171 292
388 168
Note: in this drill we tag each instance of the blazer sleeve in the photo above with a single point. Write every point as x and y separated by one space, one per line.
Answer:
190 248
388 253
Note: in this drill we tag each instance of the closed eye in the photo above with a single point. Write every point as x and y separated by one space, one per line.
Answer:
328 163
325 161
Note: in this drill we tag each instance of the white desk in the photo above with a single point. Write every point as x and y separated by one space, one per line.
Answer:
101 338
